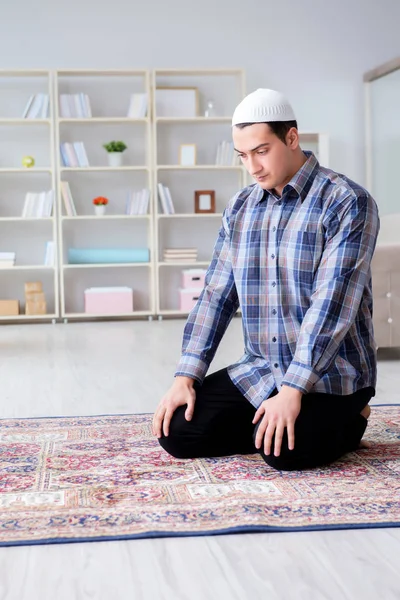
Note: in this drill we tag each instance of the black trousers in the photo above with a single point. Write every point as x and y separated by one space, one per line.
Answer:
327 427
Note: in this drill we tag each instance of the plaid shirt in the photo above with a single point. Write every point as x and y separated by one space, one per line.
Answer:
299 268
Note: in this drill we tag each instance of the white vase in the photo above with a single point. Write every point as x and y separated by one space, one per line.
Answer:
115 159
100 210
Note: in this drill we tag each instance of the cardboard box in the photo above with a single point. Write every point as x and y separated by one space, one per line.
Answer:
33 286
35 297
9 308
35 308
108 300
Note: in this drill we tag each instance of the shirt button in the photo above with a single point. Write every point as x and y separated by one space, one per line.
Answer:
273 283
276 365
274 229
274 312
274 339
272 255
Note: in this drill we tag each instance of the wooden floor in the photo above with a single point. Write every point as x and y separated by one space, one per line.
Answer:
125 367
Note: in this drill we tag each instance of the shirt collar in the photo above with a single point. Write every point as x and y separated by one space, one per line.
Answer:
300 183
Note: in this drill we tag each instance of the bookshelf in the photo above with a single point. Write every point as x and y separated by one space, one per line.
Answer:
184 227
98 106
26 225
87 112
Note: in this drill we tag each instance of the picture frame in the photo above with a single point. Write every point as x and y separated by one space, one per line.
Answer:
204 201
187 155
177 102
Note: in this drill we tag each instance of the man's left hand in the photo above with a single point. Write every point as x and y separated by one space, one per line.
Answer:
279 412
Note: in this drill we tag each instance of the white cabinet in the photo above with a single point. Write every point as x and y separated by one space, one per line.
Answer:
28 229
95 108
216 93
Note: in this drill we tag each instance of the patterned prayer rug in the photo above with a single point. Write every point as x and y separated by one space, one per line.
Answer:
74 479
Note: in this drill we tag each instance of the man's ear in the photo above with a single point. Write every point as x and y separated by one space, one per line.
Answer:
292 138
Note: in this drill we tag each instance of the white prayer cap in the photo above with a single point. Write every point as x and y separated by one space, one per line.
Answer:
263 106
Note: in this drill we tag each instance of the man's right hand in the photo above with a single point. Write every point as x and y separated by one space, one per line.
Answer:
180 393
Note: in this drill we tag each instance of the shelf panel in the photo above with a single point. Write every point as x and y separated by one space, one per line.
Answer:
105 265
105 168
102 120
189 215
136 313
25 170
27 219
21 121
193 119
200 263
101 72
27 268
173 312
104 217
27 317
199 167
197 72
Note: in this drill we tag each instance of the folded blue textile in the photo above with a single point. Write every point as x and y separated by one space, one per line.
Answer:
78 256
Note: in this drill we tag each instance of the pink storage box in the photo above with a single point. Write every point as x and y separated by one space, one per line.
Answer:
108 300
193 278
188 298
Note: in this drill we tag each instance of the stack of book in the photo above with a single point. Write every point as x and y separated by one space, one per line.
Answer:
7 259
226 155
37 107
75 106
178 255
166 200
137 106
38 204
74 154
137 203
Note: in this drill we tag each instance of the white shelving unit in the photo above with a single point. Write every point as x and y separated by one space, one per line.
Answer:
185 228
27 237
109 94
152 157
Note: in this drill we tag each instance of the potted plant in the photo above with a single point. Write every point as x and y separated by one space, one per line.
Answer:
115 150
100 204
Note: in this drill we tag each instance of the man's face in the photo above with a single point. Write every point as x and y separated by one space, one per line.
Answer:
264 155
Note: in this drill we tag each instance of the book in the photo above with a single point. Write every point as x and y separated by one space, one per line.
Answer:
164 195
138 106
67 199
36 107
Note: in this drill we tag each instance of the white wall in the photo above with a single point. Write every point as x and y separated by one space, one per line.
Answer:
315 51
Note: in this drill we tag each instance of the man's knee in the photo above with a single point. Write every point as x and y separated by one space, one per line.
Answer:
284 462
180 440
175 446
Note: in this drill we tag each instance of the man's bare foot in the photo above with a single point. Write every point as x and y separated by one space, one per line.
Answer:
365 413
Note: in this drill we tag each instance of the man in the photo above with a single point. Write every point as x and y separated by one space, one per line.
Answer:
294 252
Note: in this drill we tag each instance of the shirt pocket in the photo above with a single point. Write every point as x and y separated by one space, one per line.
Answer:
300 254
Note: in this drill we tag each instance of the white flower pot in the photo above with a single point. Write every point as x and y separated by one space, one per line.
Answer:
100 210
115 159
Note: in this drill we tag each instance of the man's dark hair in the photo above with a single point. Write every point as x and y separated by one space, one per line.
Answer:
279 128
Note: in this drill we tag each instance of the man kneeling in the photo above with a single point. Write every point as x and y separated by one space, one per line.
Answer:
294 252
